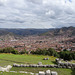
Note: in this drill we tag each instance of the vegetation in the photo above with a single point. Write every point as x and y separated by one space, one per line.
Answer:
50 52
9 50
13 51
23 52
60 71
11 73
10 59
66 55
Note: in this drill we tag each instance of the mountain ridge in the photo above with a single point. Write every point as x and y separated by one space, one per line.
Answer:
64 31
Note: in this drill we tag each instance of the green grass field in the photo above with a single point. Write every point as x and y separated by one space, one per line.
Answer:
10 73
60 71
6 59
10 59
36 70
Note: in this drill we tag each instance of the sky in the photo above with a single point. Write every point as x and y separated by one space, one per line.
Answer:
37 13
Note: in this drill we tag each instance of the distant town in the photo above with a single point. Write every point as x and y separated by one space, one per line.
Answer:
33 42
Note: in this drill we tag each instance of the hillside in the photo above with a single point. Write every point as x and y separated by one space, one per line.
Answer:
6 35
23 32
65 31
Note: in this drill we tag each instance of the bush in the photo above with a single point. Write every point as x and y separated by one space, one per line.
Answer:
22 52
14 52
8 50
67 55
50 52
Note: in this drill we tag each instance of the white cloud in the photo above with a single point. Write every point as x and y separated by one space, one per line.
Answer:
2 2
37 13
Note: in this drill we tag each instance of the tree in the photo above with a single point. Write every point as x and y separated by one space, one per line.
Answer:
14 52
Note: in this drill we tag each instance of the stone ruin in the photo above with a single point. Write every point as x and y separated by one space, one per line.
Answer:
40 63
48 72
65 65
5 68
46 59
58 61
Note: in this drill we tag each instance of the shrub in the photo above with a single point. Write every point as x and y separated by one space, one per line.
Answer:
14 52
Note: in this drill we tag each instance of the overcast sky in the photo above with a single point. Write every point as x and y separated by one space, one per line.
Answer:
37 13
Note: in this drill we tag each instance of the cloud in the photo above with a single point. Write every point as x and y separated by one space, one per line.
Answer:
2 2
37 13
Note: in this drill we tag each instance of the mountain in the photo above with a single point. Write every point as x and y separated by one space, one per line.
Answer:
13 34
65 31
19 33
6 35
24 32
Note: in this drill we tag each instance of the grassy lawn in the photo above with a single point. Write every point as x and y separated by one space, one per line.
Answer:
36 70
72 61
10 73
6 59
9 59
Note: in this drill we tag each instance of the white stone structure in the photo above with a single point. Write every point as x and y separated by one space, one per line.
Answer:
54 73
41 73
6 68
48 72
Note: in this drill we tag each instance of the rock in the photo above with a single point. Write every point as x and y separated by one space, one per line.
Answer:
24 65
41 73
16 65
61 64
36 74
40 63
66 64
54 73
52 66
69 64
44 59
48 72
47 59
21 65
6 69
32 73
58 61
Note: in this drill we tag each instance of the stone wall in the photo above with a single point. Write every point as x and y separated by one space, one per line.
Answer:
59 65
6 68
65 65
48 72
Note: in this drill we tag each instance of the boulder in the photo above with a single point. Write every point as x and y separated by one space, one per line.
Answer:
58 61
6 68
48 72
69 64
41 73
40 63
54 73
44 59
47 58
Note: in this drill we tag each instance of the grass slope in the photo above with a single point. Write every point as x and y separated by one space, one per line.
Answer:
11 73
6 59
36 70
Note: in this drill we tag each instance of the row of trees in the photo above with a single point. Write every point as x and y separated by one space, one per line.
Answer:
9 50
66 55
12 50
50 52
